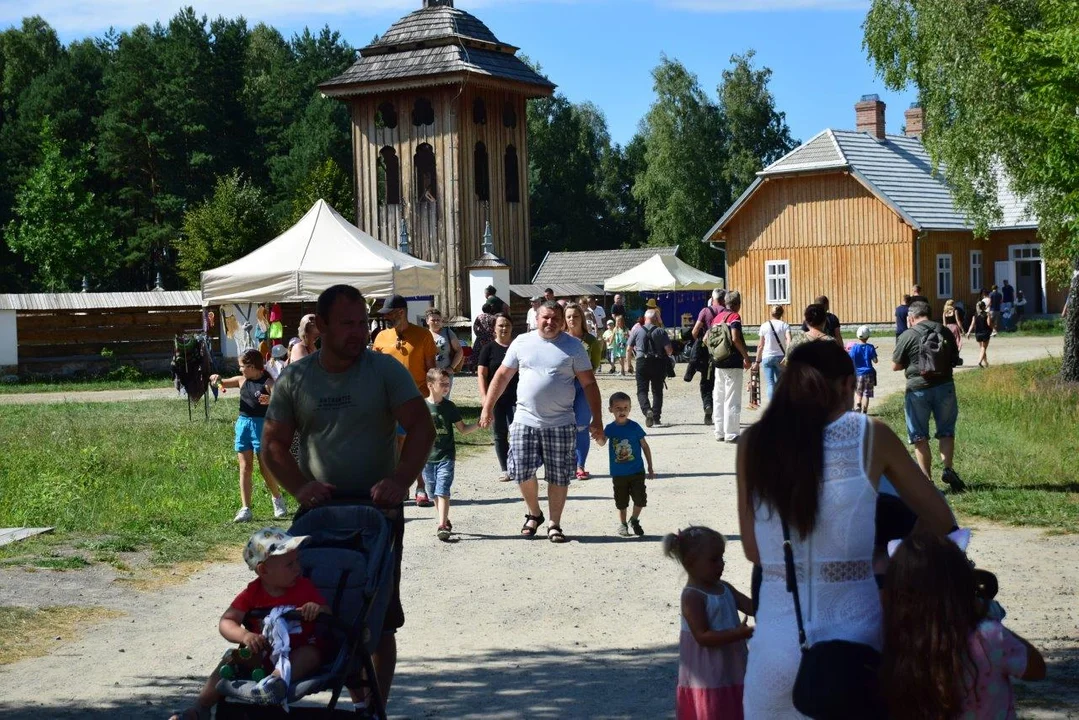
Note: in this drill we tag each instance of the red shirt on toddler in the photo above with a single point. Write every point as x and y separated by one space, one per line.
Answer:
255 596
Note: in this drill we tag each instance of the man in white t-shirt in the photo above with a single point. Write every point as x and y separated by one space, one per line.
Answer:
544 430
530 319
599 312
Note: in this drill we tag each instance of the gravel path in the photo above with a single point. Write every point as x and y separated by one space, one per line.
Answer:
501 627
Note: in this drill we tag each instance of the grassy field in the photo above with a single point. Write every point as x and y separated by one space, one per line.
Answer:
122 478
1016 444
27 632
80 385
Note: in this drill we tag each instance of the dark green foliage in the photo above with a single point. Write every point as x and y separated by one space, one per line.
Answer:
330 183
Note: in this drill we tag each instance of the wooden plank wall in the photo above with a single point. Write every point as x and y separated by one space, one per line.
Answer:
840 240
449 231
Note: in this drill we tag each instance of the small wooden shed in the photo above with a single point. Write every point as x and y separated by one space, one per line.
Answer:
860 216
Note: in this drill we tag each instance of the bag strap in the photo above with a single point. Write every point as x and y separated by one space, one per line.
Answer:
776 336
792 582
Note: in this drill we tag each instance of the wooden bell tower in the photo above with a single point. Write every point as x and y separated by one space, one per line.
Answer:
440 142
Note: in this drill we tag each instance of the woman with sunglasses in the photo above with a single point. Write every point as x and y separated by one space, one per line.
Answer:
575 326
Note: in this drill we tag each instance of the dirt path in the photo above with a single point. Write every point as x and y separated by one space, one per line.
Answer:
500 627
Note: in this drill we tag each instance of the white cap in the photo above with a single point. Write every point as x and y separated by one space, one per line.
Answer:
268 542
863 332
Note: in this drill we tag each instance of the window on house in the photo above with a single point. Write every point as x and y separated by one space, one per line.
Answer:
386 116
426 185
390 175
483 174
777 282
479 111
509 115
944 276
975 272
513 184
423 113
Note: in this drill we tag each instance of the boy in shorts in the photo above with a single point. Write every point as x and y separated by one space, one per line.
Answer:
864 356
627 468
272 554
438 472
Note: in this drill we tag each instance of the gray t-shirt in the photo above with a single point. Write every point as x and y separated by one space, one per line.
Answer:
348 433
547 369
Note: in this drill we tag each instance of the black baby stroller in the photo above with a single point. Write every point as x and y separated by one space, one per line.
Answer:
349 557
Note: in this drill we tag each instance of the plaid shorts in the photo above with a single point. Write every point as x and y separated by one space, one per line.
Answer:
550 447
865 386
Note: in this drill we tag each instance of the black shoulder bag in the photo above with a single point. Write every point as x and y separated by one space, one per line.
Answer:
837 679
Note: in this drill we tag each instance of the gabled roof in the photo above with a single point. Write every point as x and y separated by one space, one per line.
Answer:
153 299
897 170
436 45
593 266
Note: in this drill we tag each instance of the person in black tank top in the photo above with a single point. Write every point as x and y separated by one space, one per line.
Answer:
255 385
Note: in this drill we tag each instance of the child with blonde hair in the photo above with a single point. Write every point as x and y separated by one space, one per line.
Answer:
438 472
712 650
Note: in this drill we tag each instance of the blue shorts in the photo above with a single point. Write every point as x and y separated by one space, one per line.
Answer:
938 401
438 478
249 433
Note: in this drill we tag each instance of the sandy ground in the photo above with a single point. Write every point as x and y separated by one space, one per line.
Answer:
502 627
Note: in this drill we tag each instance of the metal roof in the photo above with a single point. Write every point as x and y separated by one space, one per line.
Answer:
897 169
436 45
44 302
559 290
487 260
593 267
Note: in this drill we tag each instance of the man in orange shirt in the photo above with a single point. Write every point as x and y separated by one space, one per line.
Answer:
414 348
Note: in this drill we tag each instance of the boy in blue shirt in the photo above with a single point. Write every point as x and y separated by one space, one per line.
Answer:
627 467
864 356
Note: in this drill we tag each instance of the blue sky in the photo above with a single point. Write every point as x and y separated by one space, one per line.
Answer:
596 50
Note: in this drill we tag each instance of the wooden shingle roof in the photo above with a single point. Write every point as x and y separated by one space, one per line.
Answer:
436 45
592 267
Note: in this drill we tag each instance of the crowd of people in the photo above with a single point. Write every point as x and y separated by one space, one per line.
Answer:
847 534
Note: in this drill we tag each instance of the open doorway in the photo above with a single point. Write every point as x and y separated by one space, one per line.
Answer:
1028 280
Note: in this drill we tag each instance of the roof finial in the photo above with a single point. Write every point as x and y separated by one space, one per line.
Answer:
402 242
488 240
437 3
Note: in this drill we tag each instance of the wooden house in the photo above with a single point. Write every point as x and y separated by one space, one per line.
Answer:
860 216
440 141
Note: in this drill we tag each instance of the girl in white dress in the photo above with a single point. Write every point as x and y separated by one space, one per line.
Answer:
816 464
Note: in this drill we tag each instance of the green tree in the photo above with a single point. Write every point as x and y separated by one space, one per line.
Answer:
624 213
330 183
999 83
757 134
58 228
682 185
231 223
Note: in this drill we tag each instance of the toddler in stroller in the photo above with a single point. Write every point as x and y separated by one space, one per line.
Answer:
347 557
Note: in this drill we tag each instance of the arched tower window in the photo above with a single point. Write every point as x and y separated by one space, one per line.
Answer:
482 172
509 115
423 113
386 116
426 183
513 184
391 166
479 111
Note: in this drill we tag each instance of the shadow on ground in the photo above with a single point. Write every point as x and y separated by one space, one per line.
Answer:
1058 694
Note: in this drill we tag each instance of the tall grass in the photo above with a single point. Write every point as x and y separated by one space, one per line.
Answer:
1017 444
130 476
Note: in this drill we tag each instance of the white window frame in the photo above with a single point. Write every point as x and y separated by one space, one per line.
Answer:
947 275
976 265
778 271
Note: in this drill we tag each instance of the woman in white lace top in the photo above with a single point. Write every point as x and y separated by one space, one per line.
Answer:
816 464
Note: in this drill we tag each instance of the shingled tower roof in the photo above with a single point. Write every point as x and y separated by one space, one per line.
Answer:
437 45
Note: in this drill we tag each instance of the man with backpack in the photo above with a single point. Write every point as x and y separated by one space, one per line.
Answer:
700 329
927 353
729 355
651 346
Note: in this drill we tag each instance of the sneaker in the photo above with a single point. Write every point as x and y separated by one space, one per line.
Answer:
951 479
270 690
422 500
707 417
649 421
636 525
280 507
658 424
444 532
623 530
243 516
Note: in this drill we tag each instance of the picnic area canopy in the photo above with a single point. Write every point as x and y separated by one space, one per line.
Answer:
662 273
321 250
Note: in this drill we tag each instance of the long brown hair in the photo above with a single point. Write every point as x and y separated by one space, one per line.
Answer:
930 612
784 451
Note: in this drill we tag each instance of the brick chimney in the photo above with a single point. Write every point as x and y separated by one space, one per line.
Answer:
869 116
915 120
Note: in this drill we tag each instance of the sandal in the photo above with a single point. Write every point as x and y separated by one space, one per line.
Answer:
555 535
583 474
444 532
530 530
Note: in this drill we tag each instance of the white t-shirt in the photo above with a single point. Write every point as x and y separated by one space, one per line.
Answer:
530 320
772 347
547 369
600 314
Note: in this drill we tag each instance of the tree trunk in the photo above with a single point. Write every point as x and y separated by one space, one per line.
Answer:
1069 371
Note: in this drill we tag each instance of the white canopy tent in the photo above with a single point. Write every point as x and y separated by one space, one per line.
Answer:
662 273
321 250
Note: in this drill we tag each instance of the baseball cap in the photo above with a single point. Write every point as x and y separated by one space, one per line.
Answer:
610 322
537 298
397 302
863 332
279 351
268 542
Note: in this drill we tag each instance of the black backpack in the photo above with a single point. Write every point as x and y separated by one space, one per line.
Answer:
936 353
